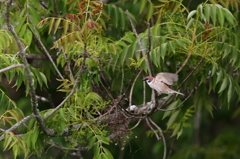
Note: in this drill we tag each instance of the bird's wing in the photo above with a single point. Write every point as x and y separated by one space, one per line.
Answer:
167 78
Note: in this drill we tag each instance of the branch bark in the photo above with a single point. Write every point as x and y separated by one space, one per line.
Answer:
27 70
11 67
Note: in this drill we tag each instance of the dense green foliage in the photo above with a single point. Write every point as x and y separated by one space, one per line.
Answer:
77 67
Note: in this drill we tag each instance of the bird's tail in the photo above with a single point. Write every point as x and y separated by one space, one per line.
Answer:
172 91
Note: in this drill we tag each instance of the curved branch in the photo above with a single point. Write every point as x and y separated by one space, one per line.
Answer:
131 90
163 138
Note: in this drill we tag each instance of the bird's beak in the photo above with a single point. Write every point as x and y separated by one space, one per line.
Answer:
144 79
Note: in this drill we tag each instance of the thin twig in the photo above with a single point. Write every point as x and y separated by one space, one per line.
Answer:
144 92
68 65
131 90
189 53
154 131
43 47
74 87
149 48
11 67
163 138
139 120
55 9
139 43
201 60
171 149
106 90
121 89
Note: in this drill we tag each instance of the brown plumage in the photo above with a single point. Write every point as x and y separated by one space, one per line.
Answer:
161 82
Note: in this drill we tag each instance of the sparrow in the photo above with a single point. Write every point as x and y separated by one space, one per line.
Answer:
161 82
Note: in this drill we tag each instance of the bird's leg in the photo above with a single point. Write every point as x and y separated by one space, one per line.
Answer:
159 93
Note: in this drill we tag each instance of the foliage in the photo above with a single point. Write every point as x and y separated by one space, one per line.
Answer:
97 57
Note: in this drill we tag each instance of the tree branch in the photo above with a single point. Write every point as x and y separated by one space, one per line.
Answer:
11 67
143 52
15 126
27 70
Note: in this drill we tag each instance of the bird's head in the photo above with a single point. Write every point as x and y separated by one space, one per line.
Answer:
148 79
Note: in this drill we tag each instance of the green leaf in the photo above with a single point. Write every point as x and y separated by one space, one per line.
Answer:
20 23
171 106
72 112
179 133
150 11
96 150
8 139
171 45
50 25
104 139
220 76
123 56
189 24
234 54
172 119
43 78
28 37
176 129
213 13
56 25
91 142
163 50
34 137
65 26
230 91
214 69
191 14
108 153
224 84
220 16
62 114
122 18
228 15
116 15
23 30
142 5
153 57
207 12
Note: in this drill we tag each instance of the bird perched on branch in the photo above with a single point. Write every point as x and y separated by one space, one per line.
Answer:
161 82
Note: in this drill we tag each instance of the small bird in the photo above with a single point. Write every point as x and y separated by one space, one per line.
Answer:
161 82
